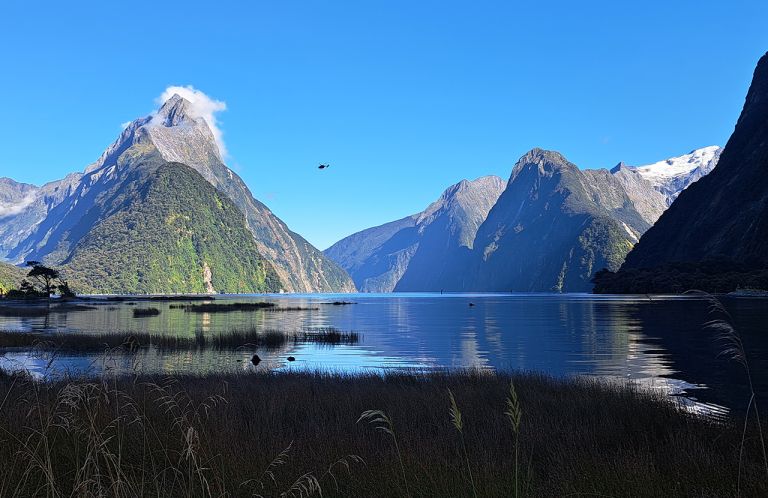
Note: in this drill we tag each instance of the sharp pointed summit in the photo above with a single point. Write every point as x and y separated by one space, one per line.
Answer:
173 112
56 226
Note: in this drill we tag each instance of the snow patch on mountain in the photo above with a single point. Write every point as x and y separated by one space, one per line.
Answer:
673 175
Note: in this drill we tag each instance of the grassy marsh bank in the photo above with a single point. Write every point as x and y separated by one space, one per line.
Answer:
228 435
41 309
235 339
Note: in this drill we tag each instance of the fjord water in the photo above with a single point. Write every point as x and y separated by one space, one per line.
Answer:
658 341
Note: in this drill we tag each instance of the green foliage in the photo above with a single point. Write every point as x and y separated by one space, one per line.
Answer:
10 277
26 291
44 276
167 230
14 285
64 289
603 243
714 276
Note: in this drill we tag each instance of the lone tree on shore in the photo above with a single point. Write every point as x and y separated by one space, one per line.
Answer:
44 276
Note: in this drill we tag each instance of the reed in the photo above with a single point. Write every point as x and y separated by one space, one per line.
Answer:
145 312
514 412
458 424
382 422
24 311
116 341
279 435
732 347
42 310
225 307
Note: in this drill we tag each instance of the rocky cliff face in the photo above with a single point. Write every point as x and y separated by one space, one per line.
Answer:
26 210
46 229
653 187
724 215
417 252
553 227
447 230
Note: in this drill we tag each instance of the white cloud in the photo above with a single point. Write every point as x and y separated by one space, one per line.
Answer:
203 106
12 209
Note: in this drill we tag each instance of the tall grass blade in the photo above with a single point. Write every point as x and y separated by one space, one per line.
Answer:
458 423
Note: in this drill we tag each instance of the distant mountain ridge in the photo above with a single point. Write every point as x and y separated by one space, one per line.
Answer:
549 228
57 218
403 253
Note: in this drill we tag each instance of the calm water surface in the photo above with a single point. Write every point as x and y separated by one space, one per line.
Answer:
659 341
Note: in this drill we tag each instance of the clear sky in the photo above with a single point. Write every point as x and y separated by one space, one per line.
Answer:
402 98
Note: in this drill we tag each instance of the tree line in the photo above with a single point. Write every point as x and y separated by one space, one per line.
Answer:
41 282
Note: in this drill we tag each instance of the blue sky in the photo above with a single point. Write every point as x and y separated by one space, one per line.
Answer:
402 98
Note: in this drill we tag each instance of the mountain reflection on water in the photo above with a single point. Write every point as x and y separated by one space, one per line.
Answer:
658 341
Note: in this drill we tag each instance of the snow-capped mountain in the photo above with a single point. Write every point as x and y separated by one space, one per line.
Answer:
673 175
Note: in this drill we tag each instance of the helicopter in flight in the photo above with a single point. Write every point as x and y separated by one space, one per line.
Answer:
324 166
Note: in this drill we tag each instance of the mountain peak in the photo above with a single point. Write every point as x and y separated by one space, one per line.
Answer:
546 162
483 183
174 99
468 192
538 155
620 166
175 111
756 102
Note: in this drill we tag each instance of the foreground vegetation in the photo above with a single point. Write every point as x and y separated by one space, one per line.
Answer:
461 434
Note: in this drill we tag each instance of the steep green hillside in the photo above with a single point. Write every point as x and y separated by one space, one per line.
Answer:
10 277
603 244
164 230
